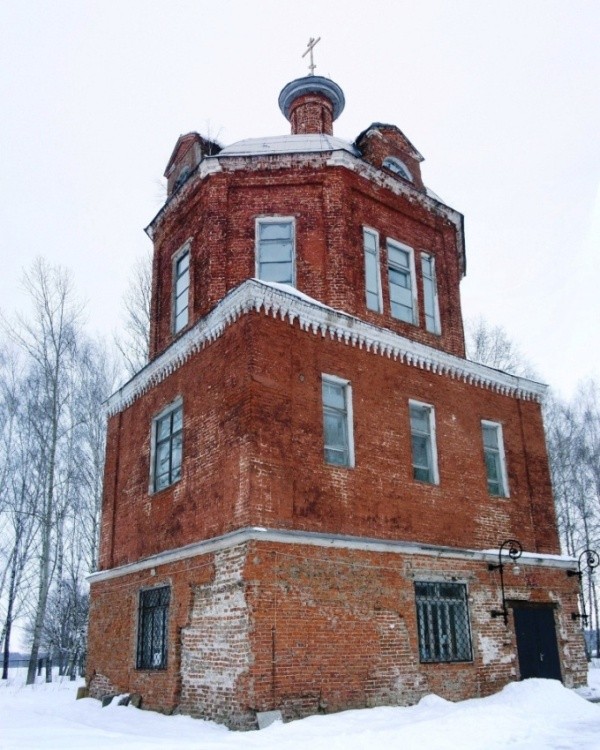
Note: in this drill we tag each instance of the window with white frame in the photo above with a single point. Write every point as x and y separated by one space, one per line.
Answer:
398 167
337 421
167 446
495 462
443 622
372 274
430 296
275 251
422 434
153 617
401 271
181 289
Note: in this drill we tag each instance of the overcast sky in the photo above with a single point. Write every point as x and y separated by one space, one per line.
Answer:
501 98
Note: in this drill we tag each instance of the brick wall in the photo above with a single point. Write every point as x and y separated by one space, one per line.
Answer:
381 141
308 630
330 206
311 113
344 633
212 496
253 452
113 627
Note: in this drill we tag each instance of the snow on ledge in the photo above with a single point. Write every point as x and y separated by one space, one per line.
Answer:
287 303
320 539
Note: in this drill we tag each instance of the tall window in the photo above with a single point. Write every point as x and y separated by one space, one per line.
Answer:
495 462
443 622
167 447
372 275
402 282
153 618
430 297
422 433
181 290
337 421
275 250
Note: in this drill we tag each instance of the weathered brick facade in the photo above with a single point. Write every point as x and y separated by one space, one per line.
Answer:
291 580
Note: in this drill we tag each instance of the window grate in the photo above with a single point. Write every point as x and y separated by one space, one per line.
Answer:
443 622
152 628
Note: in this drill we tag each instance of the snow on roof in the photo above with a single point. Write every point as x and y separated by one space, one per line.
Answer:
293 291
433 195
288 144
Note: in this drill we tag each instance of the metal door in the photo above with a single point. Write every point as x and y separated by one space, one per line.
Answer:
536 642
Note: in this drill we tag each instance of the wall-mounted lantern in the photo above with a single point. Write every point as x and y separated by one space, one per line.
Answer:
513 549
588 561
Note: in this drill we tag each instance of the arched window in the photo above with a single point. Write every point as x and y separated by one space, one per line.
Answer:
398 167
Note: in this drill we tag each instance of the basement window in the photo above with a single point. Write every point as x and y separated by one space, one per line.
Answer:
275 250
153 619
167 447
443 622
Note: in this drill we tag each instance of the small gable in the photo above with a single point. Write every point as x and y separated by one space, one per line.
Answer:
386 147
189 151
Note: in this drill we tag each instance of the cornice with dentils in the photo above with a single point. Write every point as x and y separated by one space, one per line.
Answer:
316 319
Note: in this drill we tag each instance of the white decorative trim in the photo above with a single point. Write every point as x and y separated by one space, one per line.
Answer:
329 541
312 316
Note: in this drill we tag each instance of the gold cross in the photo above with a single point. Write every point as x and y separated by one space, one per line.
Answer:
311 44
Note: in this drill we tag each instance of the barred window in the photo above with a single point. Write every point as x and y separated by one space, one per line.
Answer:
152 628
443 622
167 447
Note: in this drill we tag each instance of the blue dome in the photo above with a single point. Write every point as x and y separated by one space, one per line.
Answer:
312 85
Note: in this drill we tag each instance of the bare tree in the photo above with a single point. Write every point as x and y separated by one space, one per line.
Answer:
98 374
491 345
573 438
49 341
20 498
133 341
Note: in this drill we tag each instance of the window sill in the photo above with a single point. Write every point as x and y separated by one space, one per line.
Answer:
152 492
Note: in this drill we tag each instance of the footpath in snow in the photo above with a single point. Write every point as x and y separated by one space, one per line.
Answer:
530 715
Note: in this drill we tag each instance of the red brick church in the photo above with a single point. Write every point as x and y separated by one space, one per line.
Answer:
313 501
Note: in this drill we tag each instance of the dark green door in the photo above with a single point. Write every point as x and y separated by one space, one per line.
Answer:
536 642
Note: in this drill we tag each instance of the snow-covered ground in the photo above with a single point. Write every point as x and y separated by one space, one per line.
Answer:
530 715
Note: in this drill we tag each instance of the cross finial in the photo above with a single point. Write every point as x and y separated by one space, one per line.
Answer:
309 48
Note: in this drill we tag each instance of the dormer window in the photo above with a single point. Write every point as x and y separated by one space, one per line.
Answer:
397 167
183 177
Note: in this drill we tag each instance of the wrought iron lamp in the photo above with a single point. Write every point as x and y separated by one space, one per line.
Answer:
514 550
589 561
